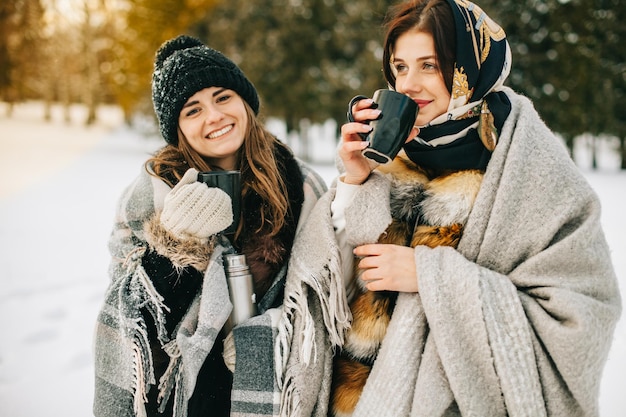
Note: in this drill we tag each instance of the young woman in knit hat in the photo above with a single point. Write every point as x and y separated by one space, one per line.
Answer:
484 282
160 335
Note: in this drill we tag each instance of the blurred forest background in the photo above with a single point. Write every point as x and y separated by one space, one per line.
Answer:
307 58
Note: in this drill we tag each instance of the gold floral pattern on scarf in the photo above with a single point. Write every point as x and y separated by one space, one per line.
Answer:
487 28
460 85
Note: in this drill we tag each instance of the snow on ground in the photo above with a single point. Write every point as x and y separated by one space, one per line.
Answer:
57 199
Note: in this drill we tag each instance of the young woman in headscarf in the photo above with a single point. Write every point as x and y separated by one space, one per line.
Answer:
503 299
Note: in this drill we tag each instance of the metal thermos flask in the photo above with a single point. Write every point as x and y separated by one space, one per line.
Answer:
240 288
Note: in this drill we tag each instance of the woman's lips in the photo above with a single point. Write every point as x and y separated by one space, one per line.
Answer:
422 103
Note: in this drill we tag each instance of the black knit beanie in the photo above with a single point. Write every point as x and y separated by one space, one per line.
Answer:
182 67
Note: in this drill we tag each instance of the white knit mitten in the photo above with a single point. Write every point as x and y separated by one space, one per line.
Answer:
192 209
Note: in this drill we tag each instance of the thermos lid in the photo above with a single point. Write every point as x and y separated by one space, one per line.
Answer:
235 263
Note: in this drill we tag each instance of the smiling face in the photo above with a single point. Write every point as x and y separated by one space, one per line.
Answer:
419 76
214 121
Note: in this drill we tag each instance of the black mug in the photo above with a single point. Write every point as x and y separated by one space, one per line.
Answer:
230 183
391 129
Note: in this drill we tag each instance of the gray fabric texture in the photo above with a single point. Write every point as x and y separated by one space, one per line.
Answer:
123 362
517 321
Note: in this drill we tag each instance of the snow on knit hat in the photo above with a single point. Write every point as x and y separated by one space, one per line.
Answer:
182 67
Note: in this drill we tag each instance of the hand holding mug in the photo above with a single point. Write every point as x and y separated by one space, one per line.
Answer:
357 167
191 210
230 183
391 129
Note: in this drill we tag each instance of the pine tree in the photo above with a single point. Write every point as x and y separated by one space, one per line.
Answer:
568 56
307 58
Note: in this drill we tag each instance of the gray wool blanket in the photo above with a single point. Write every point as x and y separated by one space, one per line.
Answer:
518 321
123 361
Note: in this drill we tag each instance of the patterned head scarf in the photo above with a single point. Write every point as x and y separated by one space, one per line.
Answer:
465 136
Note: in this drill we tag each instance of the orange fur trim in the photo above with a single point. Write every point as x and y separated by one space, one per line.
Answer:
447 198
349 378
371 313
433 236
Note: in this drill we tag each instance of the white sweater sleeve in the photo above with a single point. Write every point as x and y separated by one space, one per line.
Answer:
343 197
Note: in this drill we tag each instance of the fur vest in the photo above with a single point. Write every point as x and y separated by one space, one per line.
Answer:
426 209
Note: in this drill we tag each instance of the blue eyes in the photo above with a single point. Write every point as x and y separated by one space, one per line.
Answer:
426 67
400 68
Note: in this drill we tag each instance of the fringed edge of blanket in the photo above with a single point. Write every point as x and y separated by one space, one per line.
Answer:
173 380
139 289
336 314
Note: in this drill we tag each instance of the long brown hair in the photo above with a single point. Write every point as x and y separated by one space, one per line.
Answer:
430 16
257 163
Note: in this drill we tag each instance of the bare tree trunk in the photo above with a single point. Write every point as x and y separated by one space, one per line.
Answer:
10 108
91 62
47 110
305 127
66 99
594 159
48 98
622 149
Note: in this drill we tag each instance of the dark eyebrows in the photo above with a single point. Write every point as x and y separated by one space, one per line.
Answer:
419 59
190 103
218 92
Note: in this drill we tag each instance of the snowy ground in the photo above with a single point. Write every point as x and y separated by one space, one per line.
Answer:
56 209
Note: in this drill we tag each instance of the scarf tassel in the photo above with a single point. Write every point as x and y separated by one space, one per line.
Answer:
337 318
142 376
486 127
139 288
172 380
290 405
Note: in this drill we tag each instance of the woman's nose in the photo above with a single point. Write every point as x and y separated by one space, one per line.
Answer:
213 115
411 83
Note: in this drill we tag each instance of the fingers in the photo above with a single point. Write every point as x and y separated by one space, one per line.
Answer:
371 263
190 177
353 144
357 168
195 210
388 267
373 269
364 110
350 131
369 250
357 103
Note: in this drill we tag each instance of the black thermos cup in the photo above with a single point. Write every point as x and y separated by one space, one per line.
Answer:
230 183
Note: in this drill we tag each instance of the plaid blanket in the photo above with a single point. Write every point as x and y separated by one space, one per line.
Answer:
124 365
